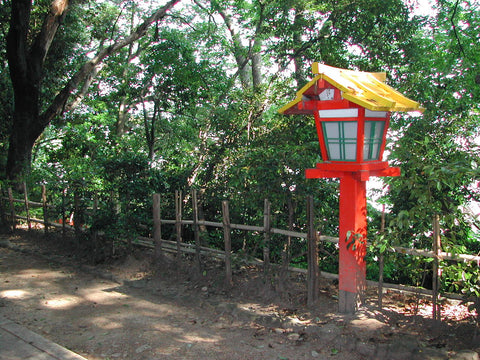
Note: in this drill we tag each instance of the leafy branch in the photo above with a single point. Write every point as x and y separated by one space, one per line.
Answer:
354 240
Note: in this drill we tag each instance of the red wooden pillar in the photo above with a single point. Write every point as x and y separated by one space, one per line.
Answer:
353 226
353 241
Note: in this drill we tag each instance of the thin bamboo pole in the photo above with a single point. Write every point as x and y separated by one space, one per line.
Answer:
286 251
45 209
228 243
436 313
77 216
178 224
3 215
64 215
266 236
157 229
12 209
313 270
27 206
196 230
381 259
94 233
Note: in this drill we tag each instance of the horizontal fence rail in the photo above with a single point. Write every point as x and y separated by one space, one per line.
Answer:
331 239
179 247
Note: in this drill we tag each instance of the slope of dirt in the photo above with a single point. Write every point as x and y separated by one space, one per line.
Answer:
130 309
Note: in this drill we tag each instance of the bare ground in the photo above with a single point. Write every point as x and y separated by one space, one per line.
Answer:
130 309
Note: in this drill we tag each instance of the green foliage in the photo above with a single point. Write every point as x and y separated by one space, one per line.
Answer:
354 240
438 152
462 277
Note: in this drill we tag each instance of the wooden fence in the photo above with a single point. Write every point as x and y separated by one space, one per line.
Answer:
179 247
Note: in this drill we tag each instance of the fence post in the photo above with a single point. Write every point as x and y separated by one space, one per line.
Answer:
228 243
45 209
77 216
286 250
313 271
381 263
3 215
196 229
157 227
27 206
266 228
178 224
12 209
436 275
94 232
64 215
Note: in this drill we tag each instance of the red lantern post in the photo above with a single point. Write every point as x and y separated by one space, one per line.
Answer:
352 114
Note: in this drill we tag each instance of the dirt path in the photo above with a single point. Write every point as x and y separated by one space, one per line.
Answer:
146 315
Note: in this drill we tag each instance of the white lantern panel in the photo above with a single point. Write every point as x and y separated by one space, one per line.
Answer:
377 114
373 140
331 130
338 113
341 140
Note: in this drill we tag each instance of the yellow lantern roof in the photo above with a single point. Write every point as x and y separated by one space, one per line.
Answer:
362 88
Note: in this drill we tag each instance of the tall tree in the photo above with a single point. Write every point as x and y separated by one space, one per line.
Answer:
27 50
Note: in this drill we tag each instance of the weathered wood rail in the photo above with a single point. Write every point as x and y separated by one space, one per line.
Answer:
331 239
180 247
442 255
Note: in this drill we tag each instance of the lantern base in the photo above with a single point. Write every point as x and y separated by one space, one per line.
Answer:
361 171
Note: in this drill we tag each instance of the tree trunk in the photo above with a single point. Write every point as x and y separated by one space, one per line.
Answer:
123 108
20 147
26 64
257 67
238 52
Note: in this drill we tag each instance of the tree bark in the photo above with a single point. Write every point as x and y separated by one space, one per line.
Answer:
26 65
150 128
